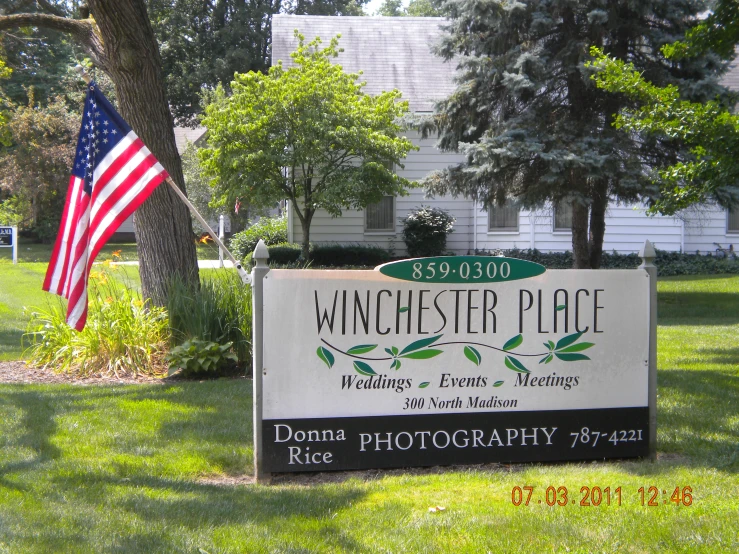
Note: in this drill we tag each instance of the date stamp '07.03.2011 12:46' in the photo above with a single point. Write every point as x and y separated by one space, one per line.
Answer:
648 496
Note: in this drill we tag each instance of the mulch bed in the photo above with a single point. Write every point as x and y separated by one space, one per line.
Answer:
20 373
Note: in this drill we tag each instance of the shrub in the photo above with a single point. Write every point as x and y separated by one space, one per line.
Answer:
668 263
325 255
273 230
196 356
219 312
123 336
339 255
425 231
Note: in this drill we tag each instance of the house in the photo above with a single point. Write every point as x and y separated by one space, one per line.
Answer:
395 53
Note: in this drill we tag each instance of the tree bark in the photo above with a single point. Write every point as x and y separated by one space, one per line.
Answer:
162 224
580 236
120 41
598 223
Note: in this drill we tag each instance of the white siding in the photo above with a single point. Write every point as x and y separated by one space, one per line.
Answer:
706 225
627 227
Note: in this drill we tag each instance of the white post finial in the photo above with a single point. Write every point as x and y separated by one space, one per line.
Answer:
261 254
647 254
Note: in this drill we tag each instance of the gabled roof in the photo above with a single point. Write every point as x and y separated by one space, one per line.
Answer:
392 52
184 134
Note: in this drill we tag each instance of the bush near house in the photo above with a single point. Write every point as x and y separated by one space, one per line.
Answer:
425 231
668 263
272 230
327 255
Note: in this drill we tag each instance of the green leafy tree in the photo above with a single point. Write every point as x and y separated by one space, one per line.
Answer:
34 168
416 8
709 171
533 126
391 8
204 43
307 133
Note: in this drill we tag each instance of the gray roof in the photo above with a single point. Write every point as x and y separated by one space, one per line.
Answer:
393 52
184 134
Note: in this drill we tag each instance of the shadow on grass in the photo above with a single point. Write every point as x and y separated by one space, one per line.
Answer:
38 426
697 308
10 342
696 415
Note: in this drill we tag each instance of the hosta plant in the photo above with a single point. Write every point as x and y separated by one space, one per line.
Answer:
197 355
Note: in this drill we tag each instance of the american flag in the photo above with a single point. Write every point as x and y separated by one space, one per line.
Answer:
112 176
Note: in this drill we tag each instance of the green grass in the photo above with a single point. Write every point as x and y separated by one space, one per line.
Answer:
134 469
31 252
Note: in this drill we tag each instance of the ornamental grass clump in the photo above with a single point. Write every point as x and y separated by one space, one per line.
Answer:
218 312
124 334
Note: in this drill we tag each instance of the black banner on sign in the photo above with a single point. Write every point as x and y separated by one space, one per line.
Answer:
334 444
6 236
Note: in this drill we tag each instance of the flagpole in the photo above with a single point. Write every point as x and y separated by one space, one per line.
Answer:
245 277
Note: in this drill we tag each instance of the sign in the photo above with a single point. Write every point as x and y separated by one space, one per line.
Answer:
6 236
9 239
453 360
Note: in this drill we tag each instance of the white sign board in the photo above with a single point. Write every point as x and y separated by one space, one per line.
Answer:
361 369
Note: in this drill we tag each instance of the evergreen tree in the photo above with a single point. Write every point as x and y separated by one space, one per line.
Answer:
532 125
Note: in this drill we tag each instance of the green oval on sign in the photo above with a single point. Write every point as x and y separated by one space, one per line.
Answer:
461 269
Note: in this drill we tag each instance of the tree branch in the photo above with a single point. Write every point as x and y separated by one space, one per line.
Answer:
83 31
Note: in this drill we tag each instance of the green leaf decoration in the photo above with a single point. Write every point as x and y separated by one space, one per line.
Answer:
395 364
561 307
550 345
389 351
363 368
571 357
568 340
326 356
549 359
422 354
395 350
577 347
497 383
416 345
513 343
403 309
361 349
544 359
424 385
515 365
472 355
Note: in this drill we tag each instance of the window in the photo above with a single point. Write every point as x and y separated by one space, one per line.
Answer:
733 220
381 215
563 217
503 218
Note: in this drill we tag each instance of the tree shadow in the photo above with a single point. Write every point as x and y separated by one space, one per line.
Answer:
695 414
697 308
38 424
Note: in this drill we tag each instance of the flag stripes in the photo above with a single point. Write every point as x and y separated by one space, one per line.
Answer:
114 174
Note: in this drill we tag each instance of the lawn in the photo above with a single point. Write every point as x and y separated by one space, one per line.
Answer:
156 468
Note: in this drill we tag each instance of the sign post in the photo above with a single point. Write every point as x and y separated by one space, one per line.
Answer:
9 239
452 360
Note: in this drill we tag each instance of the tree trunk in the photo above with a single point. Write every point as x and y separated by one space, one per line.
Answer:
580 236
120 41
598 223
162 224
305 225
